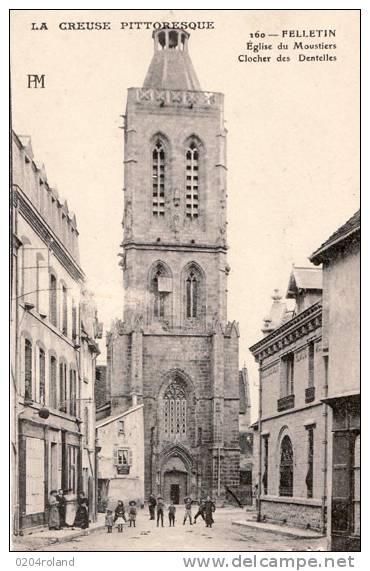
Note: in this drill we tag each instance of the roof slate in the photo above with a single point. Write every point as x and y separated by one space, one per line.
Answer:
304 278
352 225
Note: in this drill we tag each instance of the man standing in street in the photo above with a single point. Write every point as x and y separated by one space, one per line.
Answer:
152 503
209 508
160 508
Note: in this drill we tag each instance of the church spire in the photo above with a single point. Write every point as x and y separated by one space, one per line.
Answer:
171 66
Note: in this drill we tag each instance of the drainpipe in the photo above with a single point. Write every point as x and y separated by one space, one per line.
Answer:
325 442
151 459
260 443
219 472
96 458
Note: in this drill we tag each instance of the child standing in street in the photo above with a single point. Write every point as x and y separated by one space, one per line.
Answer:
187 514
109 521
119 516
171 514
132 513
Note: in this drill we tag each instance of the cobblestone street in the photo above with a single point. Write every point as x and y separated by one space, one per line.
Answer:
222 537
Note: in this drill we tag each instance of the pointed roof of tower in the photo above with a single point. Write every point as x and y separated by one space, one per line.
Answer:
171 66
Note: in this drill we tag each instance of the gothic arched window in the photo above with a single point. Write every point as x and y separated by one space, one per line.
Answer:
192 180
161 287
158 178
286 467
158 309
175 409
192 286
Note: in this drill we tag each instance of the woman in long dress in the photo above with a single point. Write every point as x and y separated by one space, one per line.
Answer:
209 508
70 499
62 508
82 513
54 522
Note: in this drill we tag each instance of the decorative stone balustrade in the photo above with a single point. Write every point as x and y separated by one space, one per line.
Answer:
189 99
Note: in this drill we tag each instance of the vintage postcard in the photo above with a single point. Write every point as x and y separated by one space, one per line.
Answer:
185 296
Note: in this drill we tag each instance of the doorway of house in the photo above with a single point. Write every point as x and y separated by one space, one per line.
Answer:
175 493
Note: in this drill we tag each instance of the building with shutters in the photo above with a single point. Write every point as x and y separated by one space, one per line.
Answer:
340 259
290 437
54 330
120 440
175 350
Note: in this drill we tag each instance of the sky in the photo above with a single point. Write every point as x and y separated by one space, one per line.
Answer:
293 138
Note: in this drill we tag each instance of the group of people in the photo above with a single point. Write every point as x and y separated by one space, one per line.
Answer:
206 508
65 511
119 517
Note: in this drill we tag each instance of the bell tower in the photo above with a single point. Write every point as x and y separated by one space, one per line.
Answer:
175 193
179 354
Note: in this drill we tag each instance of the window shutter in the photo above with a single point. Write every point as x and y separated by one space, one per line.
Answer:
43 286
115 456
129 457
341 494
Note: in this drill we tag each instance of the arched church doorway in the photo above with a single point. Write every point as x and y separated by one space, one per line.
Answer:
175 480
175 486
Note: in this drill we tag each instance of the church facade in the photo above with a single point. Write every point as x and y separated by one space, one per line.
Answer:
175 350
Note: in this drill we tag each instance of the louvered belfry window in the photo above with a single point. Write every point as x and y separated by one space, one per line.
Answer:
158 179
158 295
192 180
175 409
192 295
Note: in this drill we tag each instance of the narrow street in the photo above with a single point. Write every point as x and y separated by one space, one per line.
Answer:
222 537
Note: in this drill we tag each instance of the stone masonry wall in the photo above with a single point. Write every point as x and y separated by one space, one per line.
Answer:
295 515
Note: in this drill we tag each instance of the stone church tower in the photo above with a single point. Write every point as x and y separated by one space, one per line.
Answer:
175 351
